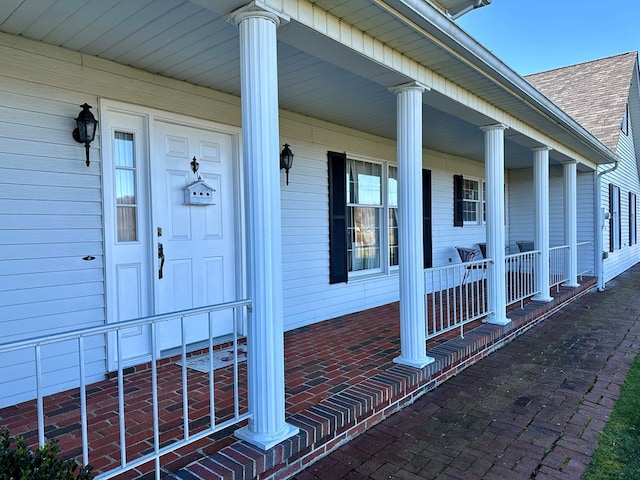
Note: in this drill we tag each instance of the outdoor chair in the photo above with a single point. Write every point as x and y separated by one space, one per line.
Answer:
483 249
525 246
468 255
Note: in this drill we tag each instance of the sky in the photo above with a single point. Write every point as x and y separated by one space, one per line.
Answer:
532 36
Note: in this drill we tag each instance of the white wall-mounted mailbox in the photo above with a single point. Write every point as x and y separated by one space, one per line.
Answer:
198 193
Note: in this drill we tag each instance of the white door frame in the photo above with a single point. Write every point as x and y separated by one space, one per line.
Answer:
152 115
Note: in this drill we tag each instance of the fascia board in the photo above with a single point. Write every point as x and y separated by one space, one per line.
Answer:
426 15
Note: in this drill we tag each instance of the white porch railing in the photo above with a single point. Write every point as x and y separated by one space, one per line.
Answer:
558 257
116 329
586 258
520 273
457 294
454 296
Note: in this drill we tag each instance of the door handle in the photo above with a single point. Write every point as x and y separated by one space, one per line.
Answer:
161 257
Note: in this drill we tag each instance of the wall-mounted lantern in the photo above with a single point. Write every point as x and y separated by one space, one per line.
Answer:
286 160
85 132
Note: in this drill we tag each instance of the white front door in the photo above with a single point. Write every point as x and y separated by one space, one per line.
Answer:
148 163
198 241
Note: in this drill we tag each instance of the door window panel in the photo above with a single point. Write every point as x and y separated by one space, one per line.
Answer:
125 186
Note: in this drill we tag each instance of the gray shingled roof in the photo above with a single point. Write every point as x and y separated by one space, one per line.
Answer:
594 93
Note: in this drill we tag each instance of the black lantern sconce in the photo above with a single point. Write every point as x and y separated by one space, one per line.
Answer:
85 132
286 160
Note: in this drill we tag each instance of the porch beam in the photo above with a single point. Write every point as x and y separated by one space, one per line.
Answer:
541 223
413 327
571 222
495 232
260 140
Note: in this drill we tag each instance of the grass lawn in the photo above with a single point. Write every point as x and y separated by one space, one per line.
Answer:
618 453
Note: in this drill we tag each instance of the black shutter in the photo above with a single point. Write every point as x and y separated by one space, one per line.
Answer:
338 271
615 218
458 201
632 219
426 218
611 221
619 218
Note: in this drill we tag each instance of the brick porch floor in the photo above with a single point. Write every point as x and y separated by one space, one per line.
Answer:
339 377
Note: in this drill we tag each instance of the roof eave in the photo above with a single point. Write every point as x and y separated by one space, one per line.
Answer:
473 52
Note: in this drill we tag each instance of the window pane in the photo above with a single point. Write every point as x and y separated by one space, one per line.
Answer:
393 186
469 212
123 149
364 183
127 228
125 187
393 237
471 197
470 190
364 238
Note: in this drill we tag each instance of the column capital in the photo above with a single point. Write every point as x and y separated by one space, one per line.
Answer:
495 126
409 86
569 162
544 148
257 9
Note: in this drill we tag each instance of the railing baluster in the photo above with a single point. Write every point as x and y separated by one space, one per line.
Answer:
435 291
185 393
212 410
39 400
123 441
236 394
83 402
154 399
441 303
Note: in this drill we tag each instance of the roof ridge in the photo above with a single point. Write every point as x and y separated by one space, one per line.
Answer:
631 52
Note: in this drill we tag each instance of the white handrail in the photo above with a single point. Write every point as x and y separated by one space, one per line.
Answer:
455 295
125 463
110 327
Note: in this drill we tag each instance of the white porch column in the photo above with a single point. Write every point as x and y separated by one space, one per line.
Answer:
571 222
413 326
260 135
494 174
541 226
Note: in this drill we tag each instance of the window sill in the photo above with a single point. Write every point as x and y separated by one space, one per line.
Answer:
366 276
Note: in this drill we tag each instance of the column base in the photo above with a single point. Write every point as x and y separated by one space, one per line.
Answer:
492 319
266 441
418 363
543 298
571 284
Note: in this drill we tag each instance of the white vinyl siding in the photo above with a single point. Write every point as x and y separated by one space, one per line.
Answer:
625 177
521 211
51 202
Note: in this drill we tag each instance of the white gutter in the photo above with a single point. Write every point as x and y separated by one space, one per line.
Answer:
467 49
473 6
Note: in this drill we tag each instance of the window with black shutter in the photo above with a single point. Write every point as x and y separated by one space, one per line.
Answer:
363 217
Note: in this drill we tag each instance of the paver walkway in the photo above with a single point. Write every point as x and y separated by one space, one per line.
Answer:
532 410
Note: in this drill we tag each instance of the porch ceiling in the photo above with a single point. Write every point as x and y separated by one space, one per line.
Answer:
191 41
